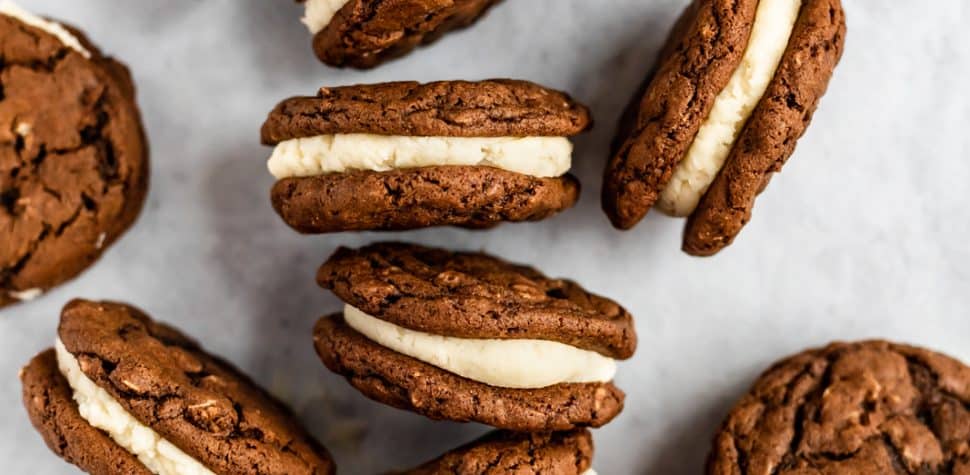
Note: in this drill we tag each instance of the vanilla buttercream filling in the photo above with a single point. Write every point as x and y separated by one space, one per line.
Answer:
520 364
13 10
318 13
102 411
772 29
323 154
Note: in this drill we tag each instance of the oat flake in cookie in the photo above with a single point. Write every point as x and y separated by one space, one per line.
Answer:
735 88
468 337
73 155
365 33
851 408
121 393
405 155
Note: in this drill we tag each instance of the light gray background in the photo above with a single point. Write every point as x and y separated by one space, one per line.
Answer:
863 235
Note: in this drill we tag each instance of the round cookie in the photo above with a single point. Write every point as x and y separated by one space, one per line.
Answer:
701 64
868 407
365 33
500 452
116 376
405 155
438 306
73 155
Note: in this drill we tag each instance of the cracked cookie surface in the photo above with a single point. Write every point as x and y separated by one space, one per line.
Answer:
73 158
851 408
199 403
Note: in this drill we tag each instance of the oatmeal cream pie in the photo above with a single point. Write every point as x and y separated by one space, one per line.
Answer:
73 155
404 155
468 337
365 33
120 393
735 88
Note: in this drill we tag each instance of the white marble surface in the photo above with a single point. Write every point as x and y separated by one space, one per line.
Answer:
863 235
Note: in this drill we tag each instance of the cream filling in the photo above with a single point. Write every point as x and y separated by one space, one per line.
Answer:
772 29
590 472
26 295
522 364
15 11
318 13
311 156
99 409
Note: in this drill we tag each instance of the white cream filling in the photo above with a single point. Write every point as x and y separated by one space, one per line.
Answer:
13 10
322 154
590 472
99 409
318 13
772 29
503 363
26 295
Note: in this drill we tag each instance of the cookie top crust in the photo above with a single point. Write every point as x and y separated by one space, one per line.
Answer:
196 401
867 407
491 108
474 295
73 158
500 452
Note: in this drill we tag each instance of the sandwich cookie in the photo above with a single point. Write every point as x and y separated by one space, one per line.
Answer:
503 452
365 33
120 393
468 337
73 155
851 408
735 88
405 155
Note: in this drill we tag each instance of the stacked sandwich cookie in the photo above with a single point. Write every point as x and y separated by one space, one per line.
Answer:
120 393
405 155
735 88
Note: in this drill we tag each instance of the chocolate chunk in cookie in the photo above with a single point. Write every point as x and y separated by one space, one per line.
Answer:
870 407
73 155
734 90
365 33
405 155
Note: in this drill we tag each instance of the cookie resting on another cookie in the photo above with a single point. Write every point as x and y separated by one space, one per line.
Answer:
468 337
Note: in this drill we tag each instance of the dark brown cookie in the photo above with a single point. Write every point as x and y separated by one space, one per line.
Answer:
702 53
861 408
504 452
365 33
199 403
73 158
474 295
406 383
467 196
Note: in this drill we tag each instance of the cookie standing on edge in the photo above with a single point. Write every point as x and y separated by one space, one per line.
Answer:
869 408
735 88
404 155
468 337
120 393
73 155
365 33
560 453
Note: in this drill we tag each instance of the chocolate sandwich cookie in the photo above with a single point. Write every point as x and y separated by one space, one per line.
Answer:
851 408
365 33
735 88
73 155
504 452
468 337
121 393
405 155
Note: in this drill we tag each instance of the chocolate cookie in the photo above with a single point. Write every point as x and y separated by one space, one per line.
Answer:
404 155
468 337
729 99
868 408
73 155
123 394
365 33
503 452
